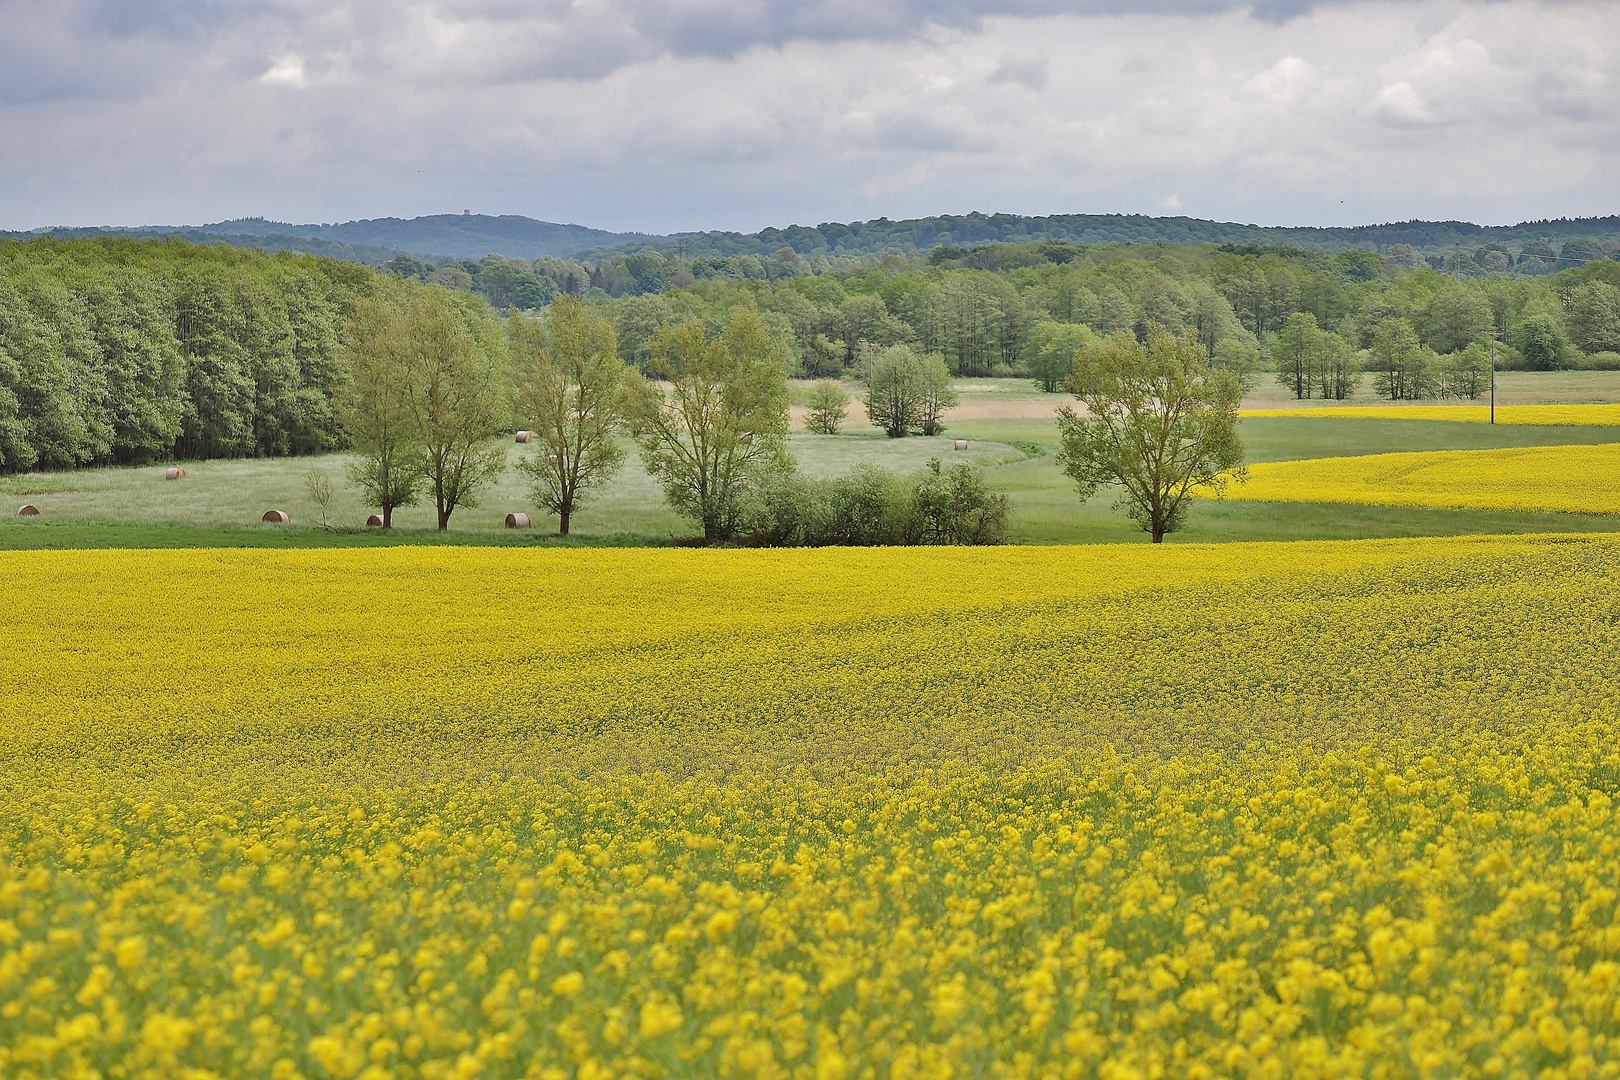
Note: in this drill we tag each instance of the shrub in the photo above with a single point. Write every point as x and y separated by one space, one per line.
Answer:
873 507
955 506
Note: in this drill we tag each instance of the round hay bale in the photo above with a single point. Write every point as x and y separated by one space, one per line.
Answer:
174 473
524 436
374 521
278 517
961 444
517 521
28 510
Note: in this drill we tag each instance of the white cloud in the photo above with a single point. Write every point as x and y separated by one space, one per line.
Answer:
289 70
742 113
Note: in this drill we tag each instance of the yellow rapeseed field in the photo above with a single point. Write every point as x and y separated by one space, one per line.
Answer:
1568 479
1294 810
1579 415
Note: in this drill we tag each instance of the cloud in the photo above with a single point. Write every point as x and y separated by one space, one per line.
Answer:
742 113
1029 72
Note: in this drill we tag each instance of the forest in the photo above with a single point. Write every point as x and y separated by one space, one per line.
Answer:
116 350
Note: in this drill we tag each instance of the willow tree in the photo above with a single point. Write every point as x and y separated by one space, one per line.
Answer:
570 383
1159 422
717 420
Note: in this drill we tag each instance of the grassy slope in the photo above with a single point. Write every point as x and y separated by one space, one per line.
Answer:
220 502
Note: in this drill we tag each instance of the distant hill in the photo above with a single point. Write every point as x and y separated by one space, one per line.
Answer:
440 236
972 230
458 236
472 236
360 253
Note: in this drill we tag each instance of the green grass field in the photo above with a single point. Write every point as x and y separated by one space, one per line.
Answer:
1011 435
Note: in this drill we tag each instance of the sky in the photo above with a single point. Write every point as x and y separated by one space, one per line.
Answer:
666 115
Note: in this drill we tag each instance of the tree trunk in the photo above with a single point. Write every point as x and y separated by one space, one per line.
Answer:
388 516
1158 536
444 519
562 519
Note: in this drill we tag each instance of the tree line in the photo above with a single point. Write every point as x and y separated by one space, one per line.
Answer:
116 351
435 380
123 351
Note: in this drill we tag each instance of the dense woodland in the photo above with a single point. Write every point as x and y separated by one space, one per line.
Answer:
119 351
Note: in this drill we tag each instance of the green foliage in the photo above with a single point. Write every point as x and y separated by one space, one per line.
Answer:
894 388
1313 362
1159 422
721 421
455 364
570 394
1541 342
1594 317
954 506
125 351
829 405
1401 367
374 407
872 507
1053 348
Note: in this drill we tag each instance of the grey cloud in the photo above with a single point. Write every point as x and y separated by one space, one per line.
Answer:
1029 72
1408 107
122 48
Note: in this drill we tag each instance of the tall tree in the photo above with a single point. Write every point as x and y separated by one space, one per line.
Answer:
1396 359
1160 421
1295 352
1338 372
719 419
569 392
894 388
456 358
374 408
1053 347
936 394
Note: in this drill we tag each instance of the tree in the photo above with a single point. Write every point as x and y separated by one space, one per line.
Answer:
319 487
1295 352
1540 340
723 419
455 357
374 408
894 388
1052 349
1594 317
935 394
1160 422
1396 358
829 405
1338 371
570 388
1467 371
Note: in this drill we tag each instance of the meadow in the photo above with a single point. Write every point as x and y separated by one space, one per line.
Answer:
1011 433
1304 810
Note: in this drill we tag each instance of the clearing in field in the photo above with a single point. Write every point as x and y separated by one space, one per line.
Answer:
1306 810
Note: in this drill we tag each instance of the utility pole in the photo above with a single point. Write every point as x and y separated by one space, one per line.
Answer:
1494 335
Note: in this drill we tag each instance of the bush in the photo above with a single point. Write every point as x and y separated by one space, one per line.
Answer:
873 507
1601 361
956 507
